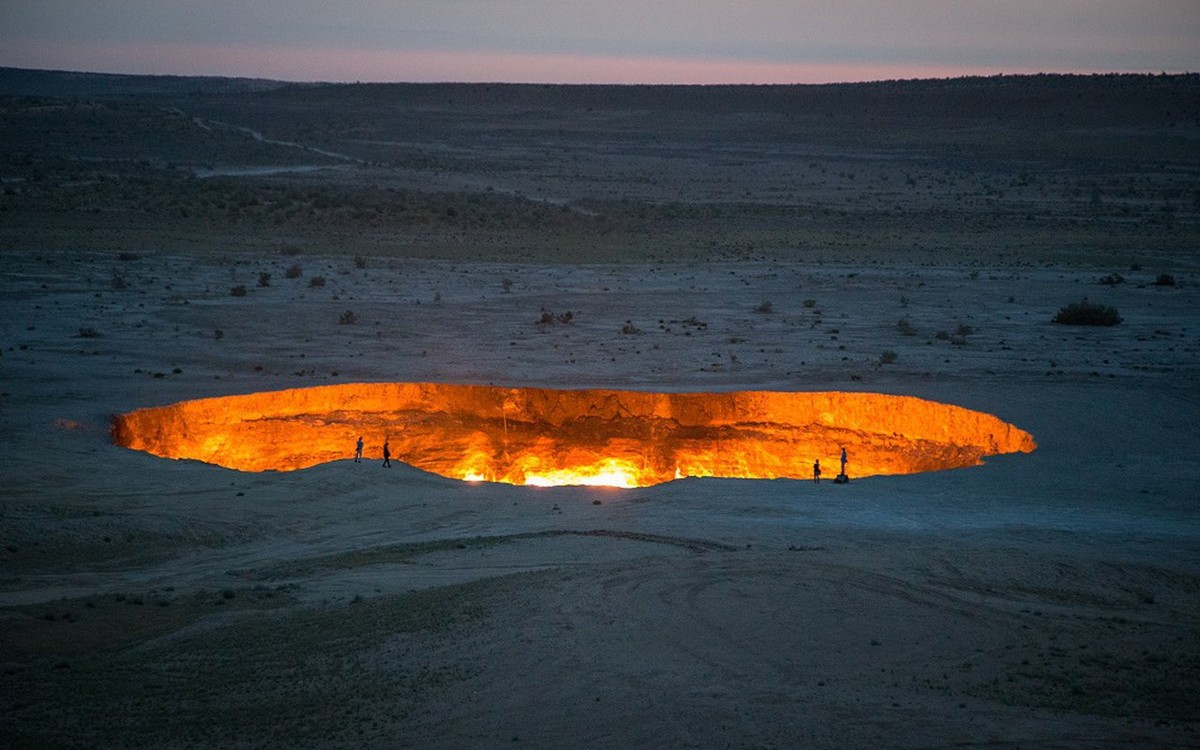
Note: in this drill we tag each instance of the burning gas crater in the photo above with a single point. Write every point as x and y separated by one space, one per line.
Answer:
537 436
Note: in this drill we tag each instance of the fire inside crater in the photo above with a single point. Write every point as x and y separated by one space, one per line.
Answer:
541 436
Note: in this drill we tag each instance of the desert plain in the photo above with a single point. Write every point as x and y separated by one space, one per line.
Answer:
168 239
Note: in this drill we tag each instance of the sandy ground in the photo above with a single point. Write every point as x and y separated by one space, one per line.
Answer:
1050 599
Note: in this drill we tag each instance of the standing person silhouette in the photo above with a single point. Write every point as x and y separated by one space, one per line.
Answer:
817 471
358 450
387 455
844 462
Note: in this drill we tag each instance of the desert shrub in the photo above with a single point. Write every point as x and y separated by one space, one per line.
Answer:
549 318
964 330
118 282
764 308
348 318
293 271
905 327
1164 279
89 333
506 284
887 357
218 334
237 291
1111 280
1084 313
360 261
316 281
810 303
264 278
942 336
630 328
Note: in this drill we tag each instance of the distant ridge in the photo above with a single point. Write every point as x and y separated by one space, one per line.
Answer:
61 83
76 84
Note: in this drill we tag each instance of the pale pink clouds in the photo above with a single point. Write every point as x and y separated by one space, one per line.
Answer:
609 41
340 65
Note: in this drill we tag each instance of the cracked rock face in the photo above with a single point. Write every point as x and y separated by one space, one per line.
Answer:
546 436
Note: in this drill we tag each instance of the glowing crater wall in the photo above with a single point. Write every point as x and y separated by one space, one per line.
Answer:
545 436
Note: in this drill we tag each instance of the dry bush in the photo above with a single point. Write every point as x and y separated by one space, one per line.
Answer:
1084 313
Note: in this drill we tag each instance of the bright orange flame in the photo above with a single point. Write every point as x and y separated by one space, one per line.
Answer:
538 436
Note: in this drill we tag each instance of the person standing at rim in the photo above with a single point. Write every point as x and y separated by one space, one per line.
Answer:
817 471
844 462
358 450
387 455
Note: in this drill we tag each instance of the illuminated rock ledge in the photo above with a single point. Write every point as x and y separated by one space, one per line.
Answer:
538 436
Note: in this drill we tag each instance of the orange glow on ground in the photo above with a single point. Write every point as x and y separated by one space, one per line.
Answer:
544 437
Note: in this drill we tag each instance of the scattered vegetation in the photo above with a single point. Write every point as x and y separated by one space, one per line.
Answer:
264 278
348 318
316 281
89 333
959 337
630 328
809 303
1164 279
237 291
1111 280
764 308
905 327
118 282
549 318
1084 313
360 261
293 271
887 357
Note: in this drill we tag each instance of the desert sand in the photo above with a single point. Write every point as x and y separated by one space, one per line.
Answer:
1044 599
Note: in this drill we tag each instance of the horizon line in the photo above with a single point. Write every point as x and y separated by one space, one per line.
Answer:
334 65
698 84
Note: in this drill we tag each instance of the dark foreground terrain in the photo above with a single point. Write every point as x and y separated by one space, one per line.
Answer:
167 239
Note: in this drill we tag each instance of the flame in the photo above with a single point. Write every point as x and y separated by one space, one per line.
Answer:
544 437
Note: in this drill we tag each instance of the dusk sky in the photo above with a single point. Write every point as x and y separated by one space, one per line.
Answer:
612 41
